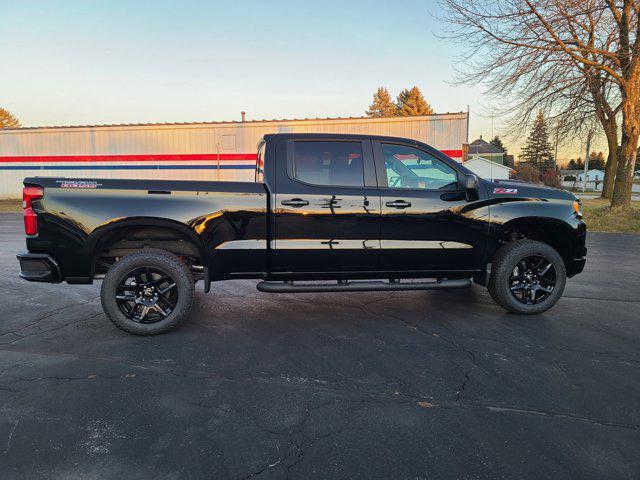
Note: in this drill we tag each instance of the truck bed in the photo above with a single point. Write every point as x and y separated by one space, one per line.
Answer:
76 215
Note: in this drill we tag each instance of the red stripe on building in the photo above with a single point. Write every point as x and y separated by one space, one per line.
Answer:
452 153
179 157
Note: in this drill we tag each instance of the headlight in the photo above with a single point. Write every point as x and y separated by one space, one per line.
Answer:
577 208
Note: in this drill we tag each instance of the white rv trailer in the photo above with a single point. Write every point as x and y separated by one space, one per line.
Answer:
189 151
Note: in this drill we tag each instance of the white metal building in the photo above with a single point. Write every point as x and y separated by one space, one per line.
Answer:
185 151
488 169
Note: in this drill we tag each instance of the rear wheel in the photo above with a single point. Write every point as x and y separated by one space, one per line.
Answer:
147 292
527 277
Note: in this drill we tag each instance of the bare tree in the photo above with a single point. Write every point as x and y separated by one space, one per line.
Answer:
574 60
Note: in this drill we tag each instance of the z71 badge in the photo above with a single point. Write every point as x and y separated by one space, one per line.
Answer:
507 191
78 184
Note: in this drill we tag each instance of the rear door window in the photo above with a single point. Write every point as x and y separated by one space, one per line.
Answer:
329 163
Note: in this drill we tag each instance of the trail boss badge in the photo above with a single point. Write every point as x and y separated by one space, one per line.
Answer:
78 184
505 191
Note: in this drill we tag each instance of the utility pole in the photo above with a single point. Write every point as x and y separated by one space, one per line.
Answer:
555 156
586 163
468 116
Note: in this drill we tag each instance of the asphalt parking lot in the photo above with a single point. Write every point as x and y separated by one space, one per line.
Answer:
406 385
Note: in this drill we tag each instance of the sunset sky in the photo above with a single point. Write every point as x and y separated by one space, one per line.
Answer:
85 62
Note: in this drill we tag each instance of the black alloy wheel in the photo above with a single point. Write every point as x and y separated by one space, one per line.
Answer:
147 295
532 280
148 292
527 277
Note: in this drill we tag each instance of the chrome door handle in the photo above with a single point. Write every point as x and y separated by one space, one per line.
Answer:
398 204
295 202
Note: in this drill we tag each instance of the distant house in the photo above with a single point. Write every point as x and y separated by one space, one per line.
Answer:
488 168
481 148
592 175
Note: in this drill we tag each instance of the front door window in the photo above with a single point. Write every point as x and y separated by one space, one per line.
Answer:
408 167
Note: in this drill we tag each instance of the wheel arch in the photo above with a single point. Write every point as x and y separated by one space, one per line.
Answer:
554 232
119 230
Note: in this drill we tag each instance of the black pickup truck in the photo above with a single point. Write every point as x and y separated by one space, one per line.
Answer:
326 213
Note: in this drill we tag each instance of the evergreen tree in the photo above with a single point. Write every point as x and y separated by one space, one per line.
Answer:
411 103
509 161
537 151
496 142
596 161
575 164
382 105
7 120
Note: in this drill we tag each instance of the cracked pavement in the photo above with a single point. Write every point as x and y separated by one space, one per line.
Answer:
406 385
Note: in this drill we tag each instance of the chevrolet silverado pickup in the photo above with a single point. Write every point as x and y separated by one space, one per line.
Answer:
326 213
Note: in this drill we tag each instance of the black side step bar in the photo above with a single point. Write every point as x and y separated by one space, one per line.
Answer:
361 286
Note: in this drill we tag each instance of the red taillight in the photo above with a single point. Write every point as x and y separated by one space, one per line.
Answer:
29 194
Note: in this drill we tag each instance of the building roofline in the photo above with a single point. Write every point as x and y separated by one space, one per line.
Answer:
229 122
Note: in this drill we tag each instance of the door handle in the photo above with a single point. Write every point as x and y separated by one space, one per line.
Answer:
295 202
398 204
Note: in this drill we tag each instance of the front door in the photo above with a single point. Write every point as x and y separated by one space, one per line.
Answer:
429 223
327 208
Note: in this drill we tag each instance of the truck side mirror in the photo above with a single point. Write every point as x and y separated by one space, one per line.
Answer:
471 182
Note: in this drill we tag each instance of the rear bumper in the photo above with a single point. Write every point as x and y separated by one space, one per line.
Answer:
39 267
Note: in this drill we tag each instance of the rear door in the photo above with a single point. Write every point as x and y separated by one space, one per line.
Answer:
327 208
429 223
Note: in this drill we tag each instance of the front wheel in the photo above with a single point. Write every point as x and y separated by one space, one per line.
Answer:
527 277
147 292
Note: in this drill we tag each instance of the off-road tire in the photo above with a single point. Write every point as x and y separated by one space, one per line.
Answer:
151 258
504 263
